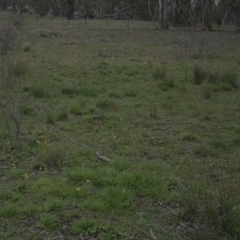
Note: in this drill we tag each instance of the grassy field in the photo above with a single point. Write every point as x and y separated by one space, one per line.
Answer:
126 134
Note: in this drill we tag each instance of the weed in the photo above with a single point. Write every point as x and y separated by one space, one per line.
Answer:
159 73
39 166
39 91
32 210
70 90
205 150
20 68
131 93
116 198
206 92
9 211
94 205
190 137
153 110
48 222
28 111
236 141
219 144
9 196
50 118
54 204
114 94
76 110
85 226
229 76
106 104
26 47
53 156
62 114
199 74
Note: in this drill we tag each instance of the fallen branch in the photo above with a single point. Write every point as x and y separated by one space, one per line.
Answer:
66 136
139 229
102 157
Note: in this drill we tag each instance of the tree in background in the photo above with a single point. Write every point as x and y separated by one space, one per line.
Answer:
4 4
70 12
207 18
40 7
163 14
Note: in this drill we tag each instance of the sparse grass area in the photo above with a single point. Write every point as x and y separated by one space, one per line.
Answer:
171 133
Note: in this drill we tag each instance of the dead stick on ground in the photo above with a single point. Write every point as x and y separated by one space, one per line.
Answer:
142 231
72 140
102 157
81 144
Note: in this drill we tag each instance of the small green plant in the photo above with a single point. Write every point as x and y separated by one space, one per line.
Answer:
94 205
9 211
115 94
49 222
50 118
229 76
85 226
116 197
199 74
76 110
153 110
236 141
54 204
206 92
39 91
32 210
206 150
70 90
166 84
219 144
190 137
106 104
159 73
26 47
62 114
53 156
131 93
20 68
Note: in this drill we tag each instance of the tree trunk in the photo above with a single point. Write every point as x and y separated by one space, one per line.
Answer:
70 13
238 25
163 17
207 21
165 14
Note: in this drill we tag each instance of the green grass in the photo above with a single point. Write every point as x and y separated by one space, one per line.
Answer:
169 124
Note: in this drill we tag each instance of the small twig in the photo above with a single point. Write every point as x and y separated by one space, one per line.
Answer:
152 234
102 157
66 136
139 229
170 122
